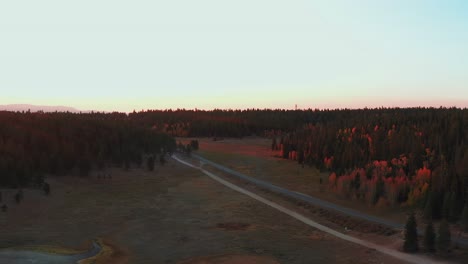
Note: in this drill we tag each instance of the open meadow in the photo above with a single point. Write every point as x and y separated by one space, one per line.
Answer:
172 215
253 156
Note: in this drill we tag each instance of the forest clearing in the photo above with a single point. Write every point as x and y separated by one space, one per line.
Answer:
171 215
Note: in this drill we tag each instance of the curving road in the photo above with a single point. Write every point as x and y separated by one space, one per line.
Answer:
317 202
417 259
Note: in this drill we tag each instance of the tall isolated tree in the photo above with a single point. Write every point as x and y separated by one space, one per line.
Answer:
411 235
429 237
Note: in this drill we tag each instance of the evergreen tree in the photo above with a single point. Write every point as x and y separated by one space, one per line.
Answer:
18 197
464 218
286 150
194 144
428 215
150 163
188 150
84 166
300 157
444 237
453 210
446 206
46 188
411 235
429 237
126 164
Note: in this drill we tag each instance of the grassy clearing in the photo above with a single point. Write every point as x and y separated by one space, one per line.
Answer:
167 216
253 157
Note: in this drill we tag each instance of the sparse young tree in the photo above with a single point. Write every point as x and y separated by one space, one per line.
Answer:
411 235
429 237
444 237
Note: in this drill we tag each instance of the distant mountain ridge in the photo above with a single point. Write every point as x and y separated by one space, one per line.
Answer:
36 108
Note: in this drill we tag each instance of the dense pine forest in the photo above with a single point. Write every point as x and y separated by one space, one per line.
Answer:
33 145
389 157
415 157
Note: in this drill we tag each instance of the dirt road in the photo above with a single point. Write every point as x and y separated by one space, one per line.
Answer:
399 255
173 215
461 241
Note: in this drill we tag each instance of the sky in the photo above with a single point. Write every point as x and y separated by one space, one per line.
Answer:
133 55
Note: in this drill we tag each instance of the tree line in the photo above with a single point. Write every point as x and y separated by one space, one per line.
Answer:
388 157
225 123
415 157
33 145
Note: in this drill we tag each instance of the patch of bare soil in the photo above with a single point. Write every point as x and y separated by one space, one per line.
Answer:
230 259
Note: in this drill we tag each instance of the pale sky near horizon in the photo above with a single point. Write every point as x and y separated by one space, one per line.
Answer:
125 55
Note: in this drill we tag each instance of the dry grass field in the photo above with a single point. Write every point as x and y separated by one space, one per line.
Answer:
172 215
253 157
